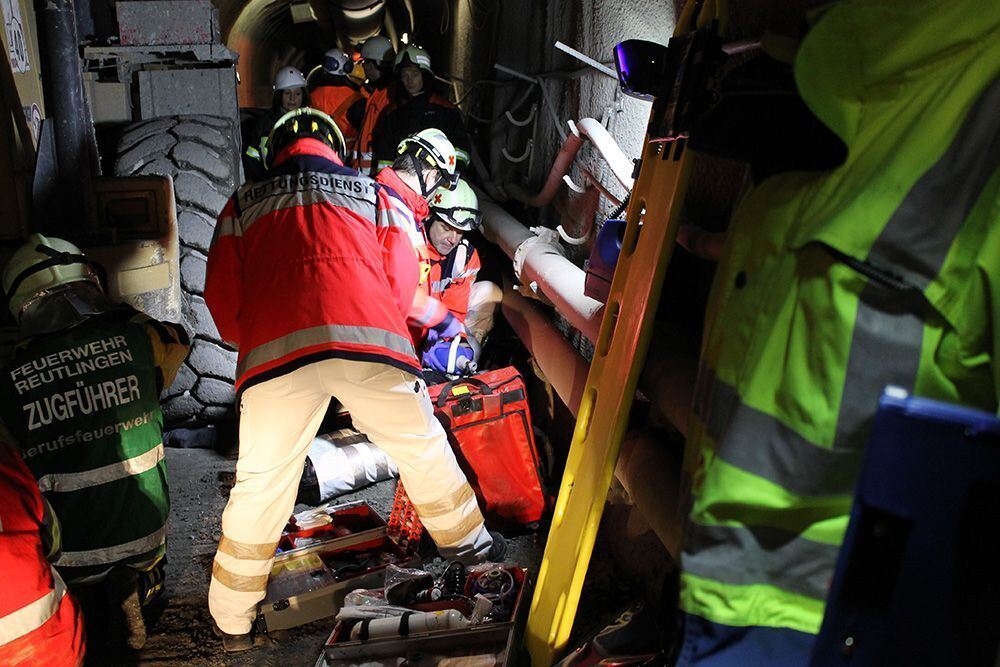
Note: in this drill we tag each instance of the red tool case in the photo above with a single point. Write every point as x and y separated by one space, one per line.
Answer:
489 426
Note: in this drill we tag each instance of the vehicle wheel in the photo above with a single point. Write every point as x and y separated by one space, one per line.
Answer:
201 153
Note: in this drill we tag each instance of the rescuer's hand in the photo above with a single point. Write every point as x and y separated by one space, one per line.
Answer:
456 356
449 327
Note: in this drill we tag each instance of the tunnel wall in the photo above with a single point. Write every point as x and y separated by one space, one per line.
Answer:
592 27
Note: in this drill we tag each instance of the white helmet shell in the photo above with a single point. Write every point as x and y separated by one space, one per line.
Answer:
433 146
288 78
458 208
337 62
378 49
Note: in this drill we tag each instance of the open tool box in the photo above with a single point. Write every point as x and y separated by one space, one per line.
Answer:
430 636
323 554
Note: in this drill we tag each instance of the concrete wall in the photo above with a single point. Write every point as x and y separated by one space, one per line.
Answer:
577 91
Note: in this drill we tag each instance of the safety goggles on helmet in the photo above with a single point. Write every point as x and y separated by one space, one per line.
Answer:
457 208
303 123
459 217
337 62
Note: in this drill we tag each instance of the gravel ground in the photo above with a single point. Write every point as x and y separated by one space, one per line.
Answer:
199 483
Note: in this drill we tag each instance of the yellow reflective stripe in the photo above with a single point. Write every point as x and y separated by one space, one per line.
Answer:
246 550
450 537
438 508
754 605
74 481
115 553
330 333
33 615
253 152
461 155
242 583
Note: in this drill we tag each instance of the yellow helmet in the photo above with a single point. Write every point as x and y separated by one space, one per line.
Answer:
39 267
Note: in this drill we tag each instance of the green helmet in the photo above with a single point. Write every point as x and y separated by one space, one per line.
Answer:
301 123
41 266
413 56
433 147
458 208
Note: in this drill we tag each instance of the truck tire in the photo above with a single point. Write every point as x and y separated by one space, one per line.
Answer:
201 153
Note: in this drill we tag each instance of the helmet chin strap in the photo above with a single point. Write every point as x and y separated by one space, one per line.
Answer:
418 167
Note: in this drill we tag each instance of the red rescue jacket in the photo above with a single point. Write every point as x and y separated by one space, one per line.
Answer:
40 624
313 263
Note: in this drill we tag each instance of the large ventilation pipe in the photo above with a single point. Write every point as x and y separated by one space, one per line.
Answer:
269 35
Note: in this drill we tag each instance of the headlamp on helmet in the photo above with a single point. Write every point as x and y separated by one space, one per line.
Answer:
303 123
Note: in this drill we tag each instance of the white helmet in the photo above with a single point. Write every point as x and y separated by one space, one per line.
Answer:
413 56
378 50
433 147
288 78
458 208
337 62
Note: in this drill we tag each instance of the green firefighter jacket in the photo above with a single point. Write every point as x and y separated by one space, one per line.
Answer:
885 270
83 405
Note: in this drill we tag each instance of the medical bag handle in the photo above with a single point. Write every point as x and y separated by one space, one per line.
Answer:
442 398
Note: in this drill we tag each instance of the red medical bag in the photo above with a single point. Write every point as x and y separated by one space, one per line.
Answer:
489 426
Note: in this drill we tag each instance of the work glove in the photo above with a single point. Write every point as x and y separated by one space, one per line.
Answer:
456 356
449 327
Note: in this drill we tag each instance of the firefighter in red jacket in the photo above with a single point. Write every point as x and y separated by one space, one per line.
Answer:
377 56
310 275
332 92
40 623
424 163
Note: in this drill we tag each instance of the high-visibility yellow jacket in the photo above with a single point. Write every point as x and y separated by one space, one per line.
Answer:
885 270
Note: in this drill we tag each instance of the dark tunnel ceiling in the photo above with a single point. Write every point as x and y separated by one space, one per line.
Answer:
271 33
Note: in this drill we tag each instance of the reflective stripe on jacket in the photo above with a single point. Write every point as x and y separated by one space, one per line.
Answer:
39 623
885 270
315 262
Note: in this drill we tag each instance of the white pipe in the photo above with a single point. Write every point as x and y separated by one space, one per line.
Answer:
620 164
557 278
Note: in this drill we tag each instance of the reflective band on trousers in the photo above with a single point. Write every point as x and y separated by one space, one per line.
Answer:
241 583
442 507
247 551
115 553
454 536
330 333
74 481
34 615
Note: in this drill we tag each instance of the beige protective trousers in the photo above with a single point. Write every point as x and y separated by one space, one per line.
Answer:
278 420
